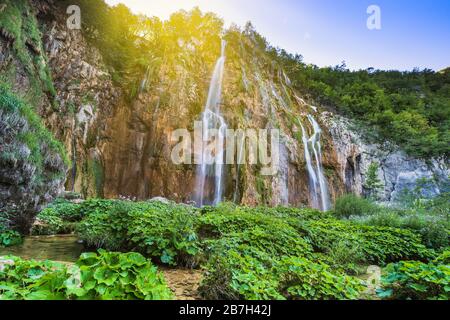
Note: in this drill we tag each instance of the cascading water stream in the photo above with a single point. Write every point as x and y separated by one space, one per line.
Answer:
317 182
209 184
238 167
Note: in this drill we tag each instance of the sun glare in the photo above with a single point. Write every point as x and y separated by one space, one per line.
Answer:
163 8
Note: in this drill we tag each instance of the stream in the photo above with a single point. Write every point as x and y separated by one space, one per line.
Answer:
62 248
67 249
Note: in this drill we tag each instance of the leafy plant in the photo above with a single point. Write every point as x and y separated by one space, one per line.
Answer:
9 238
115 276
165 231
434 229
248 273
240 273
302 279
416 280
105 223
31 280
102 276
379 245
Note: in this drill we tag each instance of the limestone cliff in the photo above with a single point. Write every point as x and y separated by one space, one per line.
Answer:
121 147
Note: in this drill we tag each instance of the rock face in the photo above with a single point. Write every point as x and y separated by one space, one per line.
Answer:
32 170
397 171
119 147
86 97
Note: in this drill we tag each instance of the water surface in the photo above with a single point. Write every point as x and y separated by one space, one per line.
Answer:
63 248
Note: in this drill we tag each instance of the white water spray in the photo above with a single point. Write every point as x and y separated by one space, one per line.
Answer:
317 182
209 184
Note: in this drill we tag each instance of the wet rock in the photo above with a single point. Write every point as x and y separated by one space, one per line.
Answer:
397 171
160 199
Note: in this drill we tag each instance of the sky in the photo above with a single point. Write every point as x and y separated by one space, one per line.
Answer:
326 32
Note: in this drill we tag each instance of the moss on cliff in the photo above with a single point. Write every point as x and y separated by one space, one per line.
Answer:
32 162
18 24
35 135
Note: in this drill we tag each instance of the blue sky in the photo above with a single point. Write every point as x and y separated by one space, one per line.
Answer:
326 32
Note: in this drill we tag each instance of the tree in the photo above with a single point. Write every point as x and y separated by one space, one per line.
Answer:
373 183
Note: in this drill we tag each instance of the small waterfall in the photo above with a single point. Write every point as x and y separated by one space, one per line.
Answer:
280 183
144 81
240 156
209 184
317 182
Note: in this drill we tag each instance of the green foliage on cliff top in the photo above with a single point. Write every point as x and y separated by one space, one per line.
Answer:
411 109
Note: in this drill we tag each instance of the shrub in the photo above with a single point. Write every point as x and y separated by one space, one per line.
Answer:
97 206
51 222
115 276
243 226
434 232
302 279
163 231
68 211
166 232
416 280
240 273
31 280
62 216
345 256
105 225
384 218
351 205
252 274
9 238
103 276
432 228
380 245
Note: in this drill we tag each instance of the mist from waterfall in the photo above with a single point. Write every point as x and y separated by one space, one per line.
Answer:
318 186
210 173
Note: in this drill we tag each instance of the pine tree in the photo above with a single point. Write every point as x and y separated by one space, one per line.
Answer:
373 183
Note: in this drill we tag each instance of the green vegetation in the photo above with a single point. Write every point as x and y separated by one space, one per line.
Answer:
32 133
248 253
425 217
351 205
373 183
103 276
380 245
9 238
60 217
416 280
410 109
29 151
245 253
18 20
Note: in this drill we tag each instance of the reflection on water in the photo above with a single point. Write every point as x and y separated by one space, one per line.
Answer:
64 248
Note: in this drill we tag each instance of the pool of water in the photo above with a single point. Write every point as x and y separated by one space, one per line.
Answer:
63 248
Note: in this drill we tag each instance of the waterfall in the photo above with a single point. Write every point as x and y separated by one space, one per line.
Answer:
209 177
240 156
317 182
